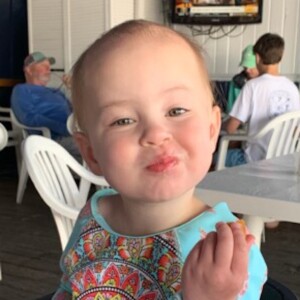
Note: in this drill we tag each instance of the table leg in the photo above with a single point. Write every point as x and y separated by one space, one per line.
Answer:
255 225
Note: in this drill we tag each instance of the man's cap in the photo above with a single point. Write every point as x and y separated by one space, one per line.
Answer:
248 58
36 57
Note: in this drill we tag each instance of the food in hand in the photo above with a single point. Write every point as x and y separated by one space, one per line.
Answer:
242 224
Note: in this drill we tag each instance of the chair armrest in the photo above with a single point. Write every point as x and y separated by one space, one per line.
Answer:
44 130
14 137
5 110
223 147
17 125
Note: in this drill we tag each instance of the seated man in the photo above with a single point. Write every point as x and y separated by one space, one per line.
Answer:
262 99
249 71
36 105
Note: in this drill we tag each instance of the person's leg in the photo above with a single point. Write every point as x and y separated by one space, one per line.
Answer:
235 157
69 144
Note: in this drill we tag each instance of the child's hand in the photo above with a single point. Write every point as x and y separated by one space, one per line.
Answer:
217 266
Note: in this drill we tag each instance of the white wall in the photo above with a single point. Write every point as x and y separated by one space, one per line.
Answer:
64 28
279 16
86 23
45 24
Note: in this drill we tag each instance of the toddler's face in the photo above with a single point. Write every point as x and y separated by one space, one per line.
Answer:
151 129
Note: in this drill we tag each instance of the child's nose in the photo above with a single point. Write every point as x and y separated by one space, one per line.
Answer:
154 136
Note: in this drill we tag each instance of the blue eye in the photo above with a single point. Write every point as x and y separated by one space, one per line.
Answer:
177 111
123 122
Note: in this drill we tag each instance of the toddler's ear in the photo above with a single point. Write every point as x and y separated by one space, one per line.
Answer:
215 126
86 151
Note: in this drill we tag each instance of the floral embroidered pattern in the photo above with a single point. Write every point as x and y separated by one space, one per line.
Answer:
106 266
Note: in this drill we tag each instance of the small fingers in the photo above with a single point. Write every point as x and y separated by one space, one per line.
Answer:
242 245
192 265
208 248
225 244
250 239
195 254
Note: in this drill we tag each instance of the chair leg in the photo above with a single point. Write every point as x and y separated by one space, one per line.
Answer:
263 235
18 157
23 177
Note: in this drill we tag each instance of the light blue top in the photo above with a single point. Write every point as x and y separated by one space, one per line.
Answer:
99 263
40 106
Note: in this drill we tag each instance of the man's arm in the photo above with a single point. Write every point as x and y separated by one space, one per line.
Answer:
55 126
232 124
25 109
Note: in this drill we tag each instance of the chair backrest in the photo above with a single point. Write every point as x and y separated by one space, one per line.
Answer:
52 170
84 185
284 133
3 136
281 133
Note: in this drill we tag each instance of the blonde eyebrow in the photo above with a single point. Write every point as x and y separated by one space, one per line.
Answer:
175 88
114 103
122 102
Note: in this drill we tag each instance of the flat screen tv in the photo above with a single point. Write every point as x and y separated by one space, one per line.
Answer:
216 12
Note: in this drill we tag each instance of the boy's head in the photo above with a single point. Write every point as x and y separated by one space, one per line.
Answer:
269 47
143 100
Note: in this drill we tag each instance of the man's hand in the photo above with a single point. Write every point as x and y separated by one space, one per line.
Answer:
232 124
217 266
66 79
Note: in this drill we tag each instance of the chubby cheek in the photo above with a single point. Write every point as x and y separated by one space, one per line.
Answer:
200 148
113 160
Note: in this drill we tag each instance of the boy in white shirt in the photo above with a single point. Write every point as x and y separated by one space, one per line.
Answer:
262 99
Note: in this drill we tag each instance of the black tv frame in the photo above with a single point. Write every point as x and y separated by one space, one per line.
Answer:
215 19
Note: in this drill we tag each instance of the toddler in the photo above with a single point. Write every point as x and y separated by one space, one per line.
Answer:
149 125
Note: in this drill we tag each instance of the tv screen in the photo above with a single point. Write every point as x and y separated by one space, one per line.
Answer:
216 12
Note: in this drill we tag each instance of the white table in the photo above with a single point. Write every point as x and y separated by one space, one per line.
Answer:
263 189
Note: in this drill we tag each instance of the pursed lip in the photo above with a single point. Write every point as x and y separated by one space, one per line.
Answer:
162 164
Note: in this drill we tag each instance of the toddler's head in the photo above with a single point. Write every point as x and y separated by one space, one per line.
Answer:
143 101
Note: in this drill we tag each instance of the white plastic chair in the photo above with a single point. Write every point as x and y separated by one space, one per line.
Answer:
284 132
5 117
71 124
52 169
284 138
3 136
3 143
14 136
84 185
23 129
